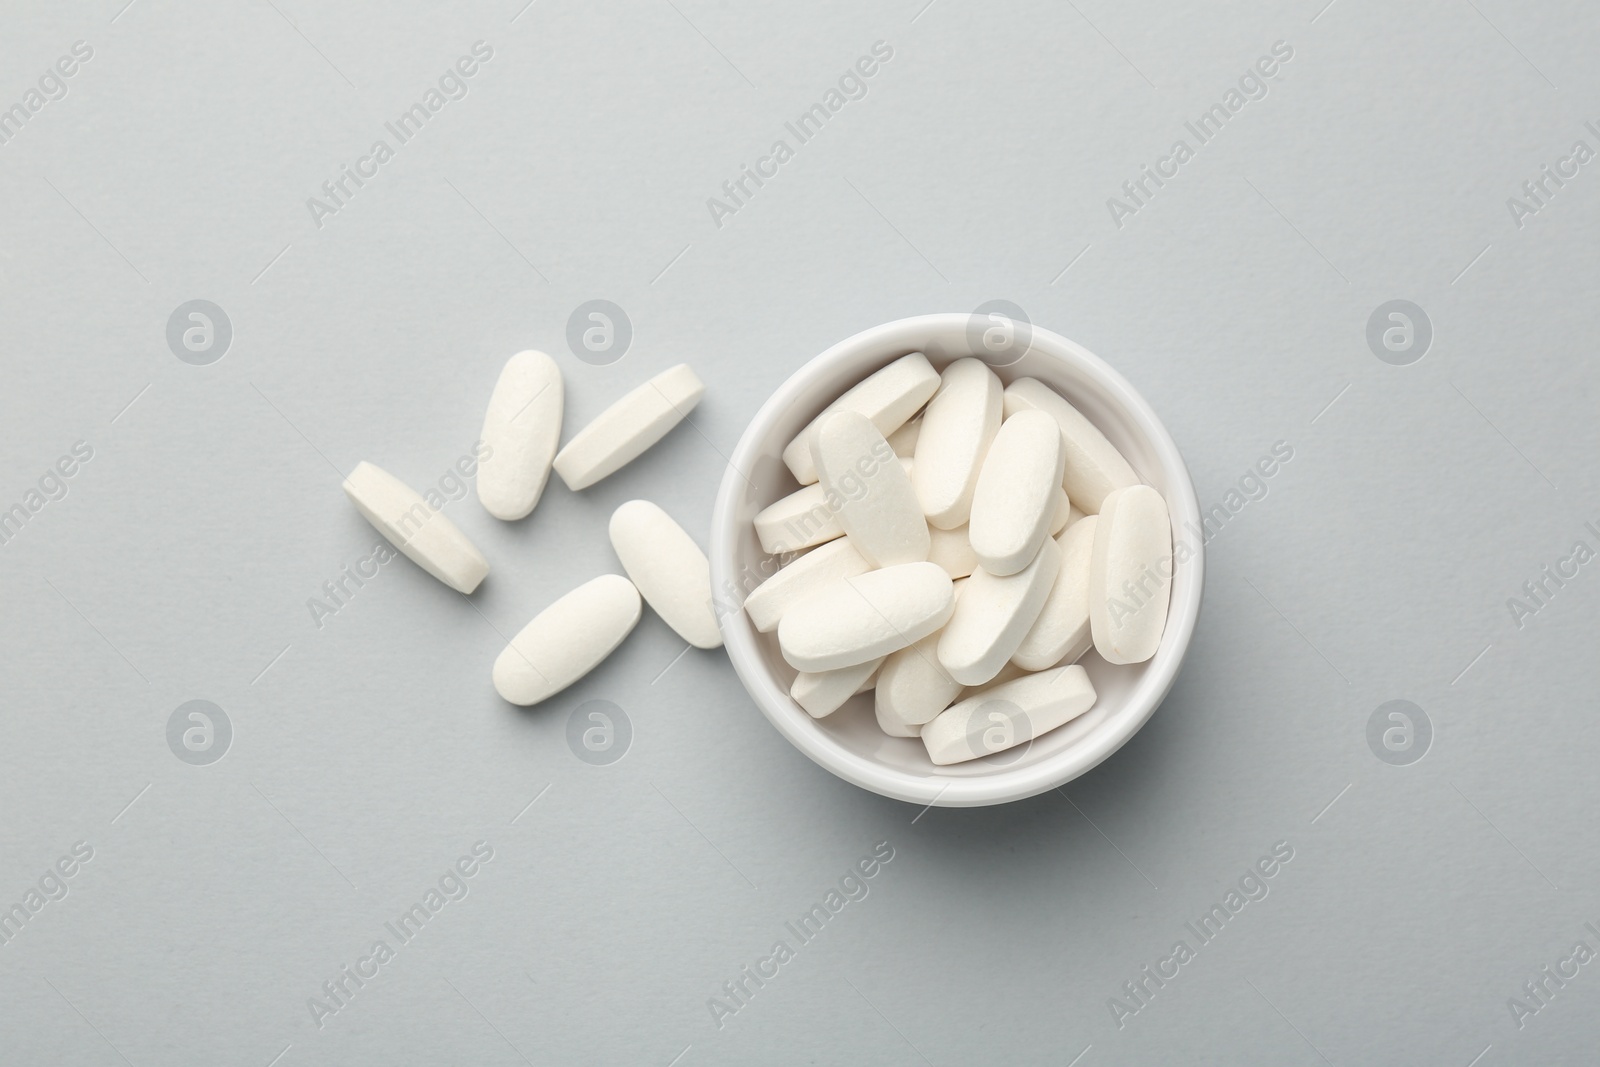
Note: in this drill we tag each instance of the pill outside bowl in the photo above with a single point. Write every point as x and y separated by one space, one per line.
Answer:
849 742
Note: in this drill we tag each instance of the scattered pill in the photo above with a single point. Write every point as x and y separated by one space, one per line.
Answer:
1061 633
831 562
1008 715
799 520
1130 575
623 431
1093 465
867 483
825 692
521 429
957 428
668 569
889 397
1014 503
994 614
417 529
567 640
856 619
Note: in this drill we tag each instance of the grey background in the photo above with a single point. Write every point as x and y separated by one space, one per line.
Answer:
368 754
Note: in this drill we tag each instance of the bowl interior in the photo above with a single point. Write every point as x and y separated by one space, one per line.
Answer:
849 741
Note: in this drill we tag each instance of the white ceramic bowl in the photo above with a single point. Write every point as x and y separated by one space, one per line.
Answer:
849 742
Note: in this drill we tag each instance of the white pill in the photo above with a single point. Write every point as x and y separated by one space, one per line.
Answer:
521 430
1130 575
415 527
1008 715
856 619
1065 513
1094 467
951 550
1010 672
1061 633
622 432
888 397
871 680
668 569
567 640
1015 502
912 688
825 692
868 485
994 615
957 429
831 562
799 520
904 440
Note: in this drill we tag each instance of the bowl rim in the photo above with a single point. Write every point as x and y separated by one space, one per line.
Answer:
1009 783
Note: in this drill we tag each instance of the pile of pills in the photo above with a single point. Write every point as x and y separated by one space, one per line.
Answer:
521 430
968 543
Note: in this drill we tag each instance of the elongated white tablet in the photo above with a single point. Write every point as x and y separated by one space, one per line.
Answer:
1008 715
521 429
1061 633
831 562
913 688
417 529
1009 673
951 550
567 640
994 615
871 680
1094 467
622 432
799 520
668 569
888 397
856 619
1065 513
1015 500
904 440
825 692
1130 575
863 478
957 429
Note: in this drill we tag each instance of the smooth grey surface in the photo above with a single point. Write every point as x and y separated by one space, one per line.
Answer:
371 752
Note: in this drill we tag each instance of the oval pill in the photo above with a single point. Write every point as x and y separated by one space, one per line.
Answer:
857 619
904 440
622 432
867 484
1061 633
1094 467
521 430
1008 715
416 528
831 562
951 550
799 520
1015 500
1130 575
993 616
888 396
913 688
957 428
567 640
668 569
825 692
